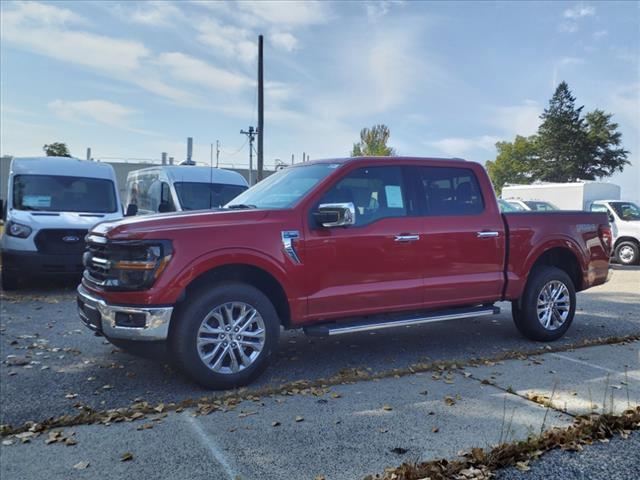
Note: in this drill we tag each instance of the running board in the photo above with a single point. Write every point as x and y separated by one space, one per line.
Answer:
377 323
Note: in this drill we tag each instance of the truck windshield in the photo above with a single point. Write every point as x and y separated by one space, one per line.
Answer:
201 196
284 188
626 210
57 193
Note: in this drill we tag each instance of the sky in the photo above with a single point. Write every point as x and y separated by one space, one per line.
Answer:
134 79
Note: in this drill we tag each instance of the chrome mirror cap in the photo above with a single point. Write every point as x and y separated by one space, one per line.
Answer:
340 214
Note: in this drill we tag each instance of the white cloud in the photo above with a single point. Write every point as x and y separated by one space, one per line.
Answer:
298 14
41 29
151 13
193 70
284 41
379 8
579 11
101 111
459 146
228 40
518 119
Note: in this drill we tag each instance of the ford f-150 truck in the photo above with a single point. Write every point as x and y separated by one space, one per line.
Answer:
335 247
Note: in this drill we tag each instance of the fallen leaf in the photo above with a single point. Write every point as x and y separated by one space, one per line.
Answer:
386 407
126 457
69 441
435 429
81 465
299 418
449 401
523 466
275 424
399 450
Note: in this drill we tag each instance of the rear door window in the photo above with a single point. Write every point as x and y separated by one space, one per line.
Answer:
450 191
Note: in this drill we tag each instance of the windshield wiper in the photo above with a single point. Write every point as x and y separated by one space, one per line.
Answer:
240 206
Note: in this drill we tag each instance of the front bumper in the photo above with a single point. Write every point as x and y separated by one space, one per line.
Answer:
36 263
123 322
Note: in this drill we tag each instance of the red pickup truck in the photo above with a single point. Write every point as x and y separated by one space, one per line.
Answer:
335 247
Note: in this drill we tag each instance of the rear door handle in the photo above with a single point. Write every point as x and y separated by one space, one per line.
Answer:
487 234
407 238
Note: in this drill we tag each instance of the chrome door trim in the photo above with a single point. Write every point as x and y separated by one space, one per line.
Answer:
406 238
288 236
488 234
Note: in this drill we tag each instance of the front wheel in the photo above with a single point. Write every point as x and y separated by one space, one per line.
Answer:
546 309
225 335
627 253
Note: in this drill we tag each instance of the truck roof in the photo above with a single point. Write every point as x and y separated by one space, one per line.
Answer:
197 174
367 159
65 166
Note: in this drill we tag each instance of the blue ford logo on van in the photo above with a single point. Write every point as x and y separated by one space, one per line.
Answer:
71 239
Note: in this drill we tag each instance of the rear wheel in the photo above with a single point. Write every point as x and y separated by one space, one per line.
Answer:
225 336
547 307
627 253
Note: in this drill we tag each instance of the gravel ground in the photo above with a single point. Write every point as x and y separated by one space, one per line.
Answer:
54 353
616 460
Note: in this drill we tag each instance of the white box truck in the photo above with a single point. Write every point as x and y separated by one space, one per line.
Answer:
566 196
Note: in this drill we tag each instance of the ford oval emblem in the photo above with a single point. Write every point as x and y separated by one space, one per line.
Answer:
71 239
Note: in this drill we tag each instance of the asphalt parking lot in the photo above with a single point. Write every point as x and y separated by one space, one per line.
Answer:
52 366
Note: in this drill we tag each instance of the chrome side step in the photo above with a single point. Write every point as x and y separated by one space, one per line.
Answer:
377 323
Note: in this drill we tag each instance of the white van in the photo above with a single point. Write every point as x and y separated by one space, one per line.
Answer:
51 203
181 187
624 218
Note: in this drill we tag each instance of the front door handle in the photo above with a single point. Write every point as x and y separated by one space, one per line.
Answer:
407 238
487 234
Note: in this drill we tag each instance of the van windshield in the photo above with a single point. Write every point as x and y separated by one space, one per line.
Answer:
201 196
628 211
57 193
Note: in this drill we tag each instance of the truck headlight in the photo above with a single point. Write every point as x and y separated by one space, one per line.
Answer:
127 265
14 229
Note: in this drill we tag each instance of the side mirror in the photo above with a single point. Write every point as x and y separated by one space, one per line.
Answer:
335 214
612 219
132 209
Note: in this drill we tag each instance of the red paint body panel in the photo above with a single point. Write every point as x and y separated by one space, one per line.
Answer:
346 272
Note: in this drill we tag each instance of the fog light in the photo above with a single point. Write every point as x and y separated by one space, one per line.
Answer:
131 320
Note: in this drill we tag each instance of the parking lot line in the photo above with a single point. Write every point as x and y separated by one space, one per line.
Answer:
211 446
582 362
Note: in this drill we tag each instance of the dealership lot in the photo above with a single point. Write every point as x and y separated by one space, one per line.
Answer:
344 429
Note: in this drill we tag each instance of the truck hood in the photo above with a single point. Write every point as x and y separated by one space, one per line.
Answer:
158 225
40 220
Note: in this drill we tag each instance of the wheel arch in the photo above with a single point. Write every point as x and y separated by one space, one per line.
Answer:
626 238
563 258
243 273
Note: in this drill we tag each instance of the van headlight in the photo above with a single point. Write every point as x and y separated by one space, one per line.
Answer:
14 229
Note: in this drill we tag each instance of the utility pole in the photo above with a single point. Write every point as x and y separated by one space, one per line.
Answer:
260 110
217 153
251 134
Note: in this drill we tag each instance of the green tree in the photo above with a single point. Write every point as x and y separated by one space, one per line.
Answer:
514 162
56 149
373 142
572 146
606 153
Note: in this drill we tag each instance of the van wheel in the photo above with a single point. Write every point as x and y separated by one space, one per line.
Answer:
547 307
10 280
627 253
225 335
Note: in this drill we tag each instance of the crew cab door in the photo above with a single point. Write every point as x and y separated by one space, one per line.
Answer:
375 264
464 237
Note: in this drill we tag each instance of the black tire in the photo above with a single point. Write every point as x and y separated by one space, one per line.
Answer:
10 280
148 350
525 311
188 319
627 253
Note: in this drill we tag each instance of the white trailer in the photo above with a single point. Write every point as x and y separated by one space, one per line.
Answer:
566 196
